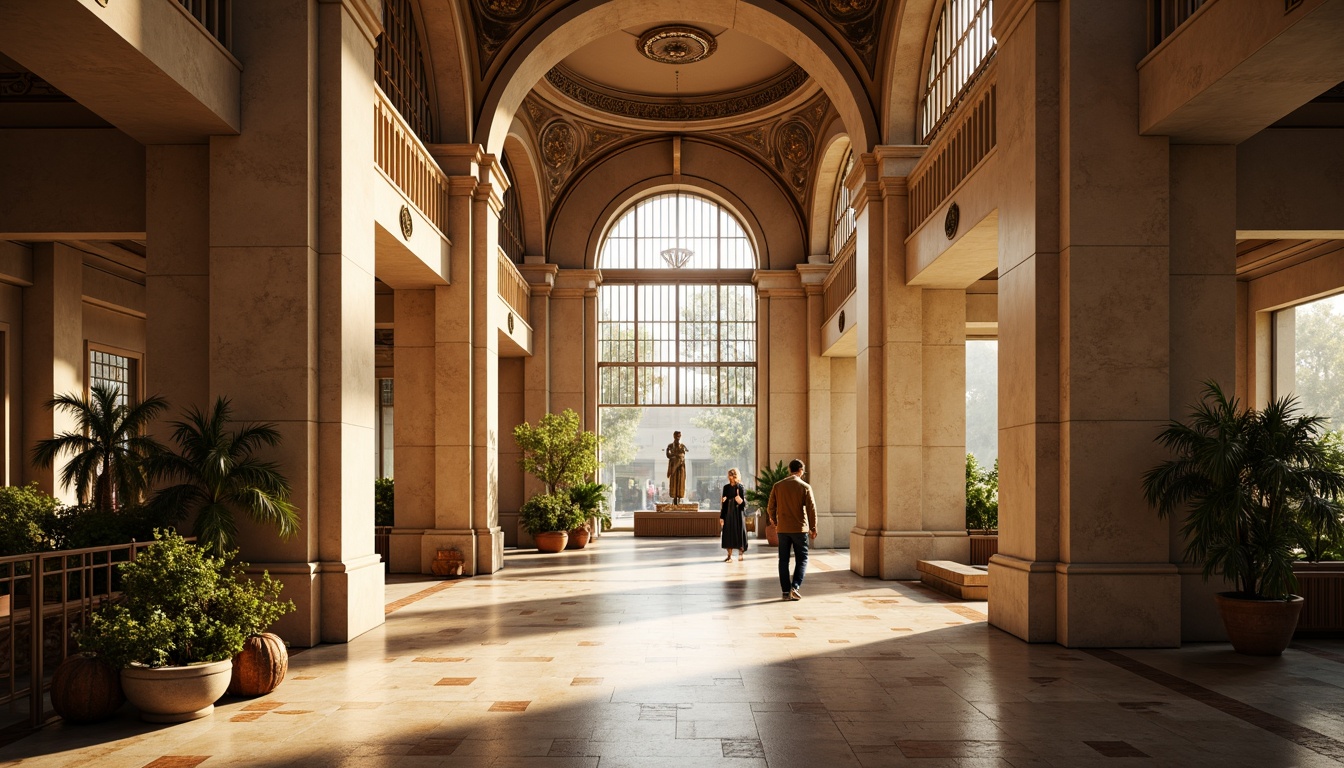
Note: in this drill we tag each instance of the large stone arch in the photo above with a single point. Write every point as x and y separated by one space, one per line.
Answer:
528 186
582 22
904 70
451 77
831 149
580 218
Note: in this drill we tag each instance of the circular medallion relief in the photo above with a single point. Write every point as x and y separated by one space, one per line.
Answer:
677 45
407 223
952 221
795 143
844 10
842 321
557 143
510 322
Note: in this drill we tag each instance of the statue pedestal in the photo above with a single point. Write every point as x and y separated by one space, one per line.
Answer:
677 520
677 508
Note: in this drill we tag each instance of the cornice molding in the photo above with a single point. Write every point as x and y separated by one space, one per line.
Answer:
624 104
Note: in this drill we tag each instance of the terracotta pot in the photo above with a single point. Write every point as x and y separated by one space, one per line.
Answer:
578 538
260 667
551 541
86 689
1258 627
772 535
176 694
446 562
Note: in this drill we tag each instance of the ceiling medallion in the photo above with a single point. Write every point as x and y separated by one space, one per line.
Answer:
677 45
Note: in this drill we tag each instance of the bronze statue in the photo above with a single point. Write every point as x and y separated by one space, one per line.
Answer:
676 468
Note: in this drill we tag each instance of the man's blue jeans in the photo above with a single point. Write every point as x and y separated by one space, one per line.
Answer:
797 543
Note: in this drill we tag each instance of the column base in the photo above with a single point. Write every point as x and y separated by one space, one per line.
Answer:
901 550
489 549
864 545
300 628
403 551
1022 598
1118 605
352 597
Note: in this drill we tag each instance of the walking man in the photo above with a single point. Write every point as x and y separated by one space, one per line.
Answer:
794 512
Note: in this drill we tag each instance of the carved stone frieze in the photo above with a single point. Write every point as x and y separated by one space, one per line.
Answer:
496 21
859 22
756 97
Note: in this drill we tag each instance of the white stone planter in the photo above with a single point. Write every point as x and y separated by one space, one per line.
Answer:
176 694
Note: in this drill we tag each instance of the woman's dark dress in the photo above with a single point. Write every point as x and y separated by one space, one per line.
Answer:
734 534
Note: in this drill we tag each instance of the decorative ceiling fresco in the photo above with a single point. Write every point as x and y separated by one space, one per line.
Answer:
785 143
855 23
595 96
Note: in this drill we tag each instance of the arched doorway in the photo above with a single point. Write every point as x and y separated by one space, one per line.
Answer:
677 348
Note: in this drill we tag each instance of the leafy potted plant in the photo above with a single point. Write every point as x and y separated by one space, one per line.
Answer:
218 475
184 614
561 454
759 497
1245 478
549 517
591 499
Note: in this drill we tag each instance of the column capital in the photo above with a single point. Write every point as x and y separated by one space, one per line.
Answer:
813 277
460 159
576 283
540 277
778 283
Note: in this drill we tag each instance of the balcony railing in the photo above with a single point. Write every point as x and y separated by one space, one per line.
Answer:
45 600
840 282
969 136
1164 16
215 15
407 164
512 287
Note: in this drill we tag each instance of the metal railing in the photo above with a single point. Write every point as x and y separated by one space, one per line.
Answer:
45 600
1165 16
382 543
966 140
407 164
840 282
512 287
215 15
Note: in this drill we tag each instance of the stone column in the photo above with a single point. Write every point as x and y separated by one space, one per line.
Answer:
291 296
1022 575
53 355
818 392
466 318
787 414
573 301
177 279
415 447
541 279
1204 314
910 379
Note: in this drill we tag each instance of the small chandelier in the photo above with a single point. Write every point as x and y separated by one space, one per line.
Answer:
677 258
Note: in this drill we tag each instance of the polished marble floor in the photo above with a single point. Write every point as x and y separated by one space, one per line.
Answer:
650 653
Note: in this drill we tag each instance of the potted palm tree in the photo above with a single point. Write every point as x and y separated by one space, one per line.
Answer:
561 454
1245 478
111 457
183 615
591 499
218 475
759 497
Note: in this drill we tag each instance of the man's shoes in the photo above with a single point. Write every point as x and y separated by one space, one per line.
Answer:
786 596
793 595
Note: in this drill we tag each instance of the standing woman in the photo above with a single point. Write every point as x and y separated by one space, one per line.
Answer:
731 520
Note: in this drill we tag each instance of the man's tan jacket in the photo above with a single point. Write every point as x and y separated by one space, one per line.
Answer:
792 507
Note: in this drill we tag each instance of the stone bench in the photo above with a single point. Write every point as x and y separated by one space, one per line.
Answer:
963 581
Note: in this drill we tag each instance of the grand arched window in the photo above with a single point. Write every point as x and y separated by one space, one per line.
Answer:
962 46
676 348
